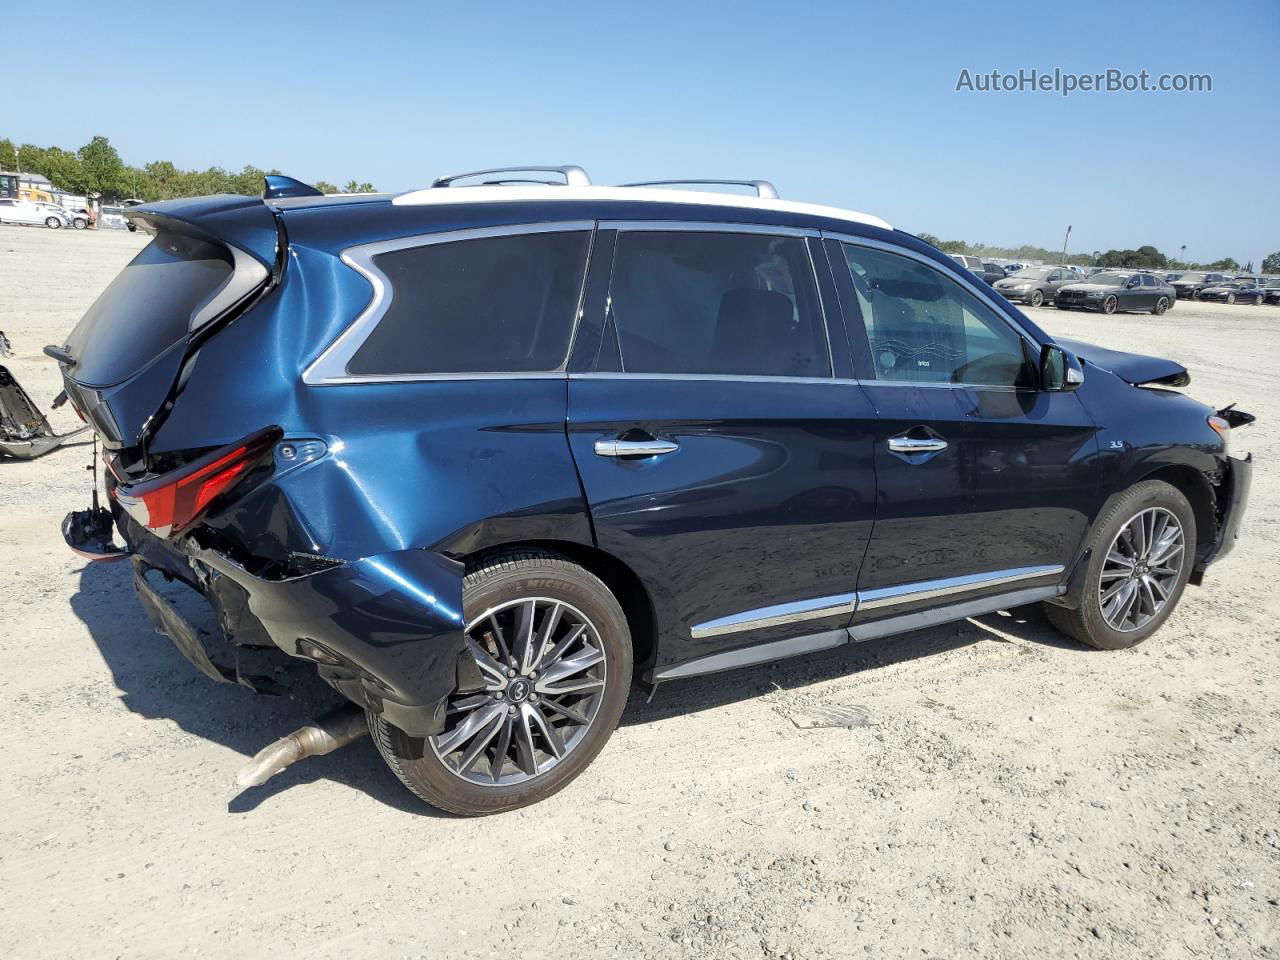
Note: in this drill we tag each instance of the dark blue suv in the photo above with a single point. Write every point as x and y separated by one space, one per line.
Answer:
484 454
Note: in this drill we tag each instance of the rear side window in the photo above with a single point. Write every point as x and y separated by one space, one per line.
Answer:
147 308
923 326
488 305
690 302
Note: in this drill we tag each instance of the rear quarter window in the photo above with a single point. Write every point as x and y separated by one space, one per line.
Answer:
485 305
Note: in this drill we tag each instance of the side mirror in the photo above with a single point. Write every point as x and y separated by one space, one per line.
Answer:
1059 370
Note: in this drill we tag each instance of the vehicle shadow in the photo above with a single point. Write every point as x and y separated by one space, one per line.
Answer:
158 683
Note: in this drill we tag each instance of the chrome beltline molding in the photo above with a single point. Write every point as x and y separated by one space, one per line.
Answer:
817 608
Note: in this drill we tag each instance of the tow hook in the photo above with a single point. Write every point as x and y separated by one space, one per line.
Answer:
325 734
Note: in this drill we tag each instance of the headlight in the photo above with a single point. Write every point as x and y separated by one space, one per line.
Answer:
1222 429
1094 294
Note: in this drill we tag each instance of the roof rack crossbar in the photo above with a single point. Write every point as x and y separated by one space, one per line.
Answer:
763 188
573 176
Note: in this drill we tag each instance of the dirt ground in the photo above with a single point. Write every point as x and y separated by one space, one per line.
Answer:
997 791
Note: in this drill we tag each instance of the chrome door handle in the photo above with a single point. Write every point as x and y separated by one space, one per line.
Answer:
913 445
634 448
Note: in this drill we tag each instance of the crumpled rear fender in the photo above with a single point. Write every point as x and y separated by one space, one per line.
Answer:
386 630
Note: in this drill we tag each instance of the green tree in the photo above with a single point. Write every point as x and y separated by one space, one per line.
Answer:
1270 263
1226 263
102 167
929 238
324 186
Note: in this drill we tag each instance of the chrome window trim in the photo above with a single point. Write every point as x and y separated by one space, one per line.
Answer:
709 226
948 586
948 272
330 367
776 615
726 377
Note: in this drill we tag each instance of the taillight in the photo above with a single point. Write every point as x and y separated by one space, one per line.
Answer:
171 503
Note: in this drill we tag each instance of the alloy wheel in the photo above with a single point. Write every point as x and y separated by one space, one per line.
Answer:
545 672
1141 569
53 223
1162 305
1037 298
1231 298
1109 305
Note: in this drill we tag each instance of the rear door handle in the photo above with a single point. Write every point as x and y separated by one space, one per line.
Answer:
651 447
916 445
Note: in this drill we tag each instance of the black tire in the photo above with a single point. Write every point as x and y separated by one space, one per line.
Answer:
1231 298
1082 617
53 223
500 579
1037 298
1257 301
1110 303
1161 306
80 223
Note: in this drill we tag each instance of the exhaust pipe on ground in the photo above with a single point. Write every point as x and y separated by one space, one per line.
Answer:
324 734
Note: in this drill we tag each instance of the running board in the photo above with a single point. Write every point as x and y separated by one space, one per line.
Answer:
829 639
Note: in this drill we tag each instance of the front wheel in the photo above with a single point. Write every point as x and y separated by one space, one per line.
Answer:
1257 301
1037 298
53 223
1231 298
80 223
1161 306
554 649
1140 555
1110 303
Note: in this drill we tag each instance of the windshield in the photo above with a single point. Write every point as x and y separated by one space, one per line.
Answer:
1110 279
1032 273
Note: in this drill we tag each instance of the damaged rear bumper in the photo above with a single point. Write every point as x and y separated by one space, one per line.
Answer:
385 631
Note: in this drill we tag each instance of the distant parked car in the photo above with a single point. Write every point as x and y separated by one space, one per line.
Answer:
992 271
1118 290
1189 285
80 218
112 218
53 210
1170 277
1235 291
14 210
1271 291
1034 285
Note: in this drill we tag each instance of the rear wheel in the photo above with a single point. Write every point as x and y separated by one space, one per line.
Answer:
555 652
53 223
1140 556
1037 298
1110 303
1161 306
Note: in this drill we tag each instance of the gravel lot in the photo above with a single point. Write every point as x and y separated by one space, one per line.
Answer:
998 791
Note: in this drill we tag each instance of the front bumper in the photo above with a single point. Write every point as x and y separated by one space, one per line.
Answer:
1233 500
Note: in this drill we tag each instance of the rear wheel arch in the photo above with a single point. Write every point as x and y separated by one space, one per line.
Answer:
622 581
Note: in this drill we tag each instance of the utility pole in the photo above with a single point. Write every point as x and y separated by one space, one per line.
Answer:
1182 254
1064 243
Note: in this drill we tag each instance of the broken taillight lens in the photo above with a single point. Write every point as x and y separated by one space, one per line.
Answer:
172 502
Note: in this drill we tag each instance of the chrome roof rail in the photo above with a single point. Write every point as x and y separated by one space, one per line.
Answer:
763 188
573 176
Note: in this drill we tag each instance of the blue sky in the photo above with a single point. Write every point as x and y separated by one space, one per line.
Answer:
852 104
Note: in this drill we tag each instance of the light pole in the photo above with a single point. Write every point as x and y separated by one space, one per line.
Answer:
1182 254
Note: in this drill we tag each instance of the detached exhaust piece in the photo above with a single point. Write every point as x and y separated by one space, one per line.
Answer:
325 734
